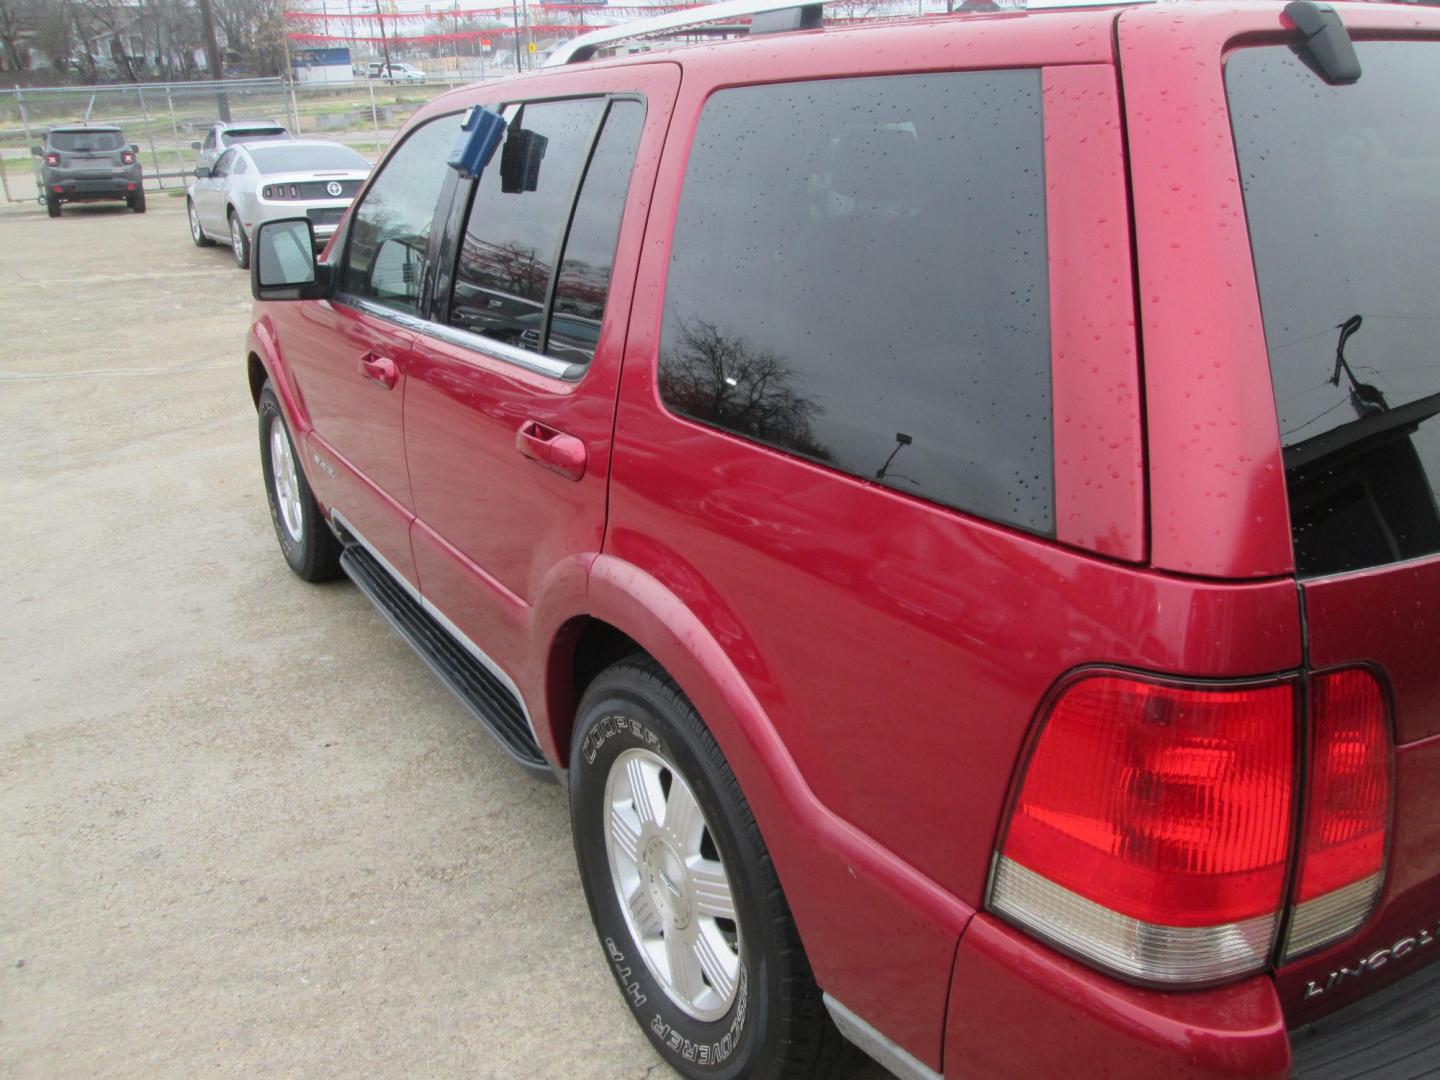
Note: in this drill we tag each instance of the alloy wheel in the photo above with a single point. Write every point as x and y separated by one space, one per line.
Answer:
286 481
671 884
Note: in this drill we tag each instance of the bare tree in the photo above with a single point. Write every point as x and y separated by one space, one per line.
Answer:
15 20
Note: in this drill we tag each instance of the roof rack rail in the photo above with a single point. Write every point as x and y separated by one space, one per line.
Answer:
806 16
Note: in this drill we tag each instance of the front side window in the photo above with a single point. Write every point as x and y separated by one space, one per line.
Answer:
1342 195
517 218
859 276
390 230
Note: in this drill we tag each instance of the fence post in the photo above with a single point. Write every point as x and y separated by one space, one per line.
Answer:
29 141
174 127
374 116
4 180
150 137
294 105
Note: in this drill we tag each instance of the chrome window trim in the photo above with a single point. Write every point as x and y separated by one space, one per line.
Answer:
340 524
497 350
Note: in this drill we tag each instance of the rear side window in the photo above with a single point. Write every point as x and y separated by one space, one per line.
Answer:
517 219
1342 193
390 230
859 277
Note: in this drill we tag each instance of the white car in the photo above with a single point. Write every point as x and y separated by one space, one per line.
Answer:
256 182
396 73
223 134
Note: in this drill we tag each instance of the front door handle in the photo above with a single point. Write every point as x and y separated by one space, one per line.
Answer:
380 369
553 449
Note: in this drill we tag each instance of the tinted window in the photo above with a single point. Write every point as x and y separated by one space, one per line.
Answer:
584 278
79 142
1342 192
385 258
282 158
224 164
859 276
512 236
248 135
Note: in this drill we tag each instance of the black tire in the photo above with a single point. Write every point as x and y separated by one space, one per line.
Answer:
315 554
136 201
776 1025
197 233
239 242
52 205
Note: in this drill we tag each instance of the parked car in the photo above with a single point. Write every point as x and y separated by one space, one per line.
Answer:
84 163
251 183
395 73
922 666
222 135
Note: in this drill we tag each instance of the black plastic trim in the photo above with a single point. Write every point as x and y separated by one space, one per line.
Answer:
486 698
1394 1034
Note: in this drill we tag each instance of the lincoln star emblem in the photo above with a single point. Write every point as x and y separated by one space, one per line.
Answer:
334 188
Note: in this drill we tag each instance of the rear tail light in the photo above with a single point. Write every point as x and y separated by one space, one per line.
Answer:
127 157
266 191
1153 829
1342 849
52 159
294 192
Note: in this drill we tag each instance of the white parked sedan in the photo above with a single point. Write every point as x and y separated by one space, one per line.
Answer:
249 184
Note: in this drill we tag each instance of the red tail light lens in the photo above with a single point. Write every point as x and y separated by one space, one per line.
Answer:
127 157
1151 831
1342 856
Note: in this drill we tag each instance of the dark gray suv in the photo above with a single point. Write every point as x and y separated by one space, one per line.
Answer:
89 164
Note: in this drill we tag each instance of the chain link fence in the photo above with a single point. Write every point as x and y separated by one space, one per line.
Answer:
166 119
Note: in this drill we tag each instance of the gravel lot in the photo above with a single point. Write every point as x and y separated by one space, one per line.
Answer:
245 831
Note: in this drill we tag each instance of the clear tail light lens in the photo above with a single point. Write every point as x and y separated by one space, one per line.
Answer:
52 160
1152 826
1342 851
127 158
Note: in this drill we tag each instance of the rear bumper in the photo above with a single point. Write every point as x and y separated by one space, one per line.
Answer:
1391 1034
118 187
1019 1009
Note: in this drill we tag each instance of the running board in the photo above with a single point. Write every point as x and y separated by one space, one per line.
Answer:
487 699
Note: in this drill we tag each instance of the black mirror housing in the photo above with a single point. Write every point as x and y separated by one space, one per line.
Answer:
194 146
283 264
37 151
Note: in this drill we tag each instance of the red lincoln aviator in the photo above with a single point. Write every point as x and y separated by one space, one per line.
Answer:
952 498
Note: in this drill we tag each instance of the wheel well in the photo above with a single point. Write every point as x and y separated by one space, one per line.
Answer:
256 371
593 646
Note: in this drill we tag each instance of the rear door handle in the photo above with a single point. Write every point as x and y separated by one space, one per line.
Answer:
553 449
380 369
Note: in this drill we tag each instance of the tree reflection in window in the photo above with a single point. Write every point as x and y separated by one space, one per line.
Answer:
722 380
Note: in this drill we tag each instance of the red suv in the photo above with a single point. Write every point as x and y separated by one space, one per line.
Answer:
954 500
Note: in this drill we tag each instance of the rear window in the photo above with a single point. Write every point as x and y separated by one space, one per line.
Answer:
1342 192
284 159
80 142
859 277
250 135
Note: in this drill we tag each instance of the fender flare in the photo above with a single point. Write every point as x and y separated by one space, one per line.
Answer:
881 936
263 346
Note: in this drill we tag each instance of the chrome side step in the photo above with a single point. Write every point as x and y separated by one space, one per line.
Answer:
485 696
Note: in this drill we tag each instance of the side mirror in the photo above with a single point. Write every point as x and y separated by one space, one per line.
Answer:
202 171
194 146
283 265
134 147
37 151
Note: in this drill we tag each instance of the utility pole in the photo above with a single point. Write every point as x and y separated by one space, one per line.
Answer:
384 45
212 56
515 10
